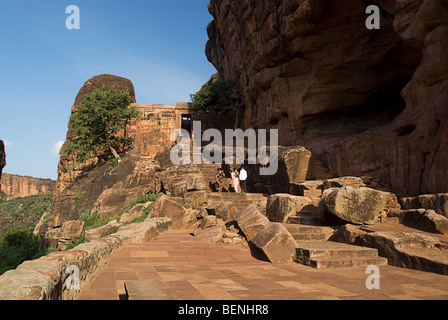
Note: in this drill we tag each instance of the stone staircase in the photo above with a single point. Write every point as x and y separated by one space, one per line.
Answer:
304 232
240 200
328 254
313 248
304 217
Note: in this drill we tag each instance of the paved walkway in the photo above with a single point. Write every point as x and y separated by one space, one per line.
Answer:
186 269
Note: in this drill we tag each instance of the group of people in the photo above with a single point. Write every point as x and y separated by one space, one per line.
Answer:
238 179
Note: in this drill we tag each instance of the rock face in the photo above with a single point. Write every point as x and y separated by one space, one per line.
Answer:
178 180
66 173
437 202
180 216
362 101
15 186
2 158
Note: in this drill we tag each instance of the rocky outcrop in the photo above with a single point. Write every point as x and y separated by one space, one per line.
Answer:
437 202
2 158
180 216
67 170
104 190
15 186
362 101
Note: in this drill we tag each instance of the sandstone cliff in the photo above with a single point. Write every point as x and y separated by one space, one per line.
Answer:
366 102
2 158
15 186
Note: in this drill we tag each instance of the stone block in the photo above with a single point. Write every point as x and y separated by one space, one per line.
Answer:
251 221
276 243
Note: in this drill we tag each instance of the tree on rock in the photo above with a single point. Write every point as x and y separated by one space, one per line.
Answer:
97 122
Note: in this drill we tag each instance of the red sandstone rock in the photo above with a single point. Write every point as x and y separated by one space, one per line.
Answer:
180 216
66 173
280 207
15 186
2 158
362 101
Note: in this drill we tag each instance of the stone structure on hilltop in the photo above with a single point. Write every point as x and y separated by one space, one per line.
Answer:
15 186
365 102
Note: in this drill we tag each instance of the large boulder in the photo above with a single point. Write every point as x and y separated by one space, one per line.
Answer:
354 205
180 216
276 243
281 206
251 221
69 232
195 199
112 201
224 210
178 180
433 222
340 182
135 212
100 232
212 234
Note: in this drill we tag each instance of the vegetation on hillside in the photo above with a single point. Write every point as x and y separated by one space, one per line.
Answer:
98 121
24 212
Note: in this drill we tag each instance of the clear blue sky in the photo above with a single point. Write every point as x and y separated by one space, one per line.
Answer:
158 44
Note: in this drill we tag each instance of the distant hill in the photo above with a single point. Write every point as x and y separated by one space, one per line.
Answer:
14 186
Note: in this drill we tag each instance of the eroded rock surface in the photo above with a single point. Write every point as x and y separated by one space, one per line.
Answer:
365 102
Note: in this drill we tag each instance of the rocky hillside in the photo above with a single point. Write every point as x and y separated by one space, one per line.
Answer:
66 171
365 102
15 186
2 157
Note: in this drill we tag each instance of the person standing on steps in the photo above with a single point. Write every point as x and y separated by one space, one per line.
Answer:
236 180
219 180
243 178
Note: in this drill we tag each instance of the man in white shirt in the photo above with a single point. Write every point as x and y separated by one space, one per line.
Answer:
243 178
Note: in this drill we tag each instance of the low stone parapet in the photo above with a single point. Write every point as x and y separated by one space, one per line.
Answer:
61 275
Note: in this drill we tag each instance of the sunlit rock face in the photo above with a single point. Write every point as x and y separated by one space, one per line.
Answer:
366 102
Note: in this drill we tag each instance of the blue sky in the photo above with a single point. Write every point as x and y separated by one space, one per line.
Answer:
158 44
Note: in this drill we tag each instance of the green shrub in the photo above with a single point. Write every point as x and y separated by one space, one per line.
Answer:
18 245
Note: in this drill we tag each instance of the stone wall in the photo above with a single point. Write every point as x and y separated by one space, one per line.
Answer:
151 133
15 186
49 278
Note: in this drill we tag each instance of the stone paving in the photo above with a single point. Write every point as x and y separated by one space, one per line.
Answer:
186 269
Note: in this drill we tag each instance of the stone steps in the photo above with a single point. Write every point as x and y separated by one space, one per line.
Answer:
306 217
240 200
303 232
329 254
